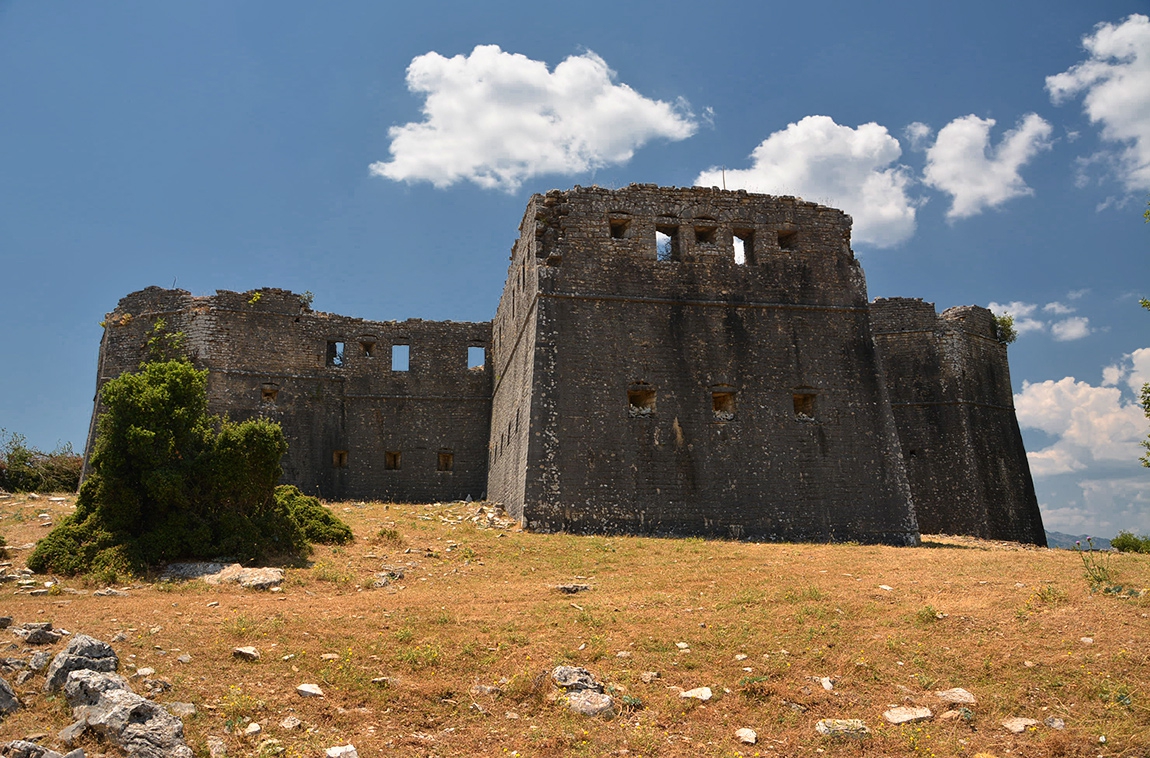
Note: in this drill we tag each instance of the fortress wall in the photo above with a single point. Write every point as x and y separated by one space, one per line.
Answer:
950 391
722 349
329 381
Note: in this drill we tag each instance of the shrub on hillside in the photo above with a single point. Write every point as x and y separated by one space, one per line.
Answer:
316 522
170 482
26 469
1127 542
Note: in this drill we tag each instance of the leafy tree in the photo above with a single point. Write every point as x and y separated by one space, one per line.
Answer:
1004 329
169 481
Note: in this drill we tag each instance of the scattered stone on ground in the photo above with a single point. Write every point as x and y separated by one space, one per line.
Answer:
590 703
217 748
478 690
957 696
574 678
905 714
1018 724
342 751
83 652
309 690
699 693
38 633
224 573
246 653
110 592
1054 722
827 684
290 722
8 701
181 709
648 676
842 728
140 727
747 736
252 730
571 589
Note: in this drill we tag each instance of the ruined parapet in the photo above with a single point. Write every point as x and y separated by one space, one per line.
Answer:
949 386
692 361
383 410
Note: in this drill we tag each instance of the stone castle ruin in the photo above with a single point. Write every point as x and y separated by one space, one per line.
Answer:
662 361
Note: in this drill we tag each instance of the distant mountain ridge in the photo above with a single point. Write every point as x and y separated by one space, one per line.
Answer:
1072 541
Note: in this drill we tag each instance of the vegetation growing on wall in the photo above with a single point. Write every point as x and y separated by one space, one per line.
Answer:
171 482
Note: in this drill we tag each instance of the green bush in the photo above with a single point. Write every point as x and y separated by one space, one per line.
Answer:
1126 542
170 482
316 522
26 469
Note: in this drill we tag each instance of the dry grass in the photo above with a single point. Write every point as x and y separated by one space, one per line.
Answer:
477 606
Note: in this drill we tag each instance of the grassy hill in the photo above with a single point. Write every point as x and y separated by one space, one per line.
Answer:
762 625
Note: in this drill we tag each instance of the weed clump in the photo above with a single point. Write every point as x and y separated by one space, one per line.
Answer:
317 523
170 482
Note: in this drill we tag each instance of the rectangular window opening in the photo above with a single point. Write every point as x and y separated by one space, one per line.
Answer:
620 228
339 459
446 460
667 243
788 239
400 357
476 358
641 402
335 354
391 460
804 406
723 405
744 246
705 235
269 392
368 348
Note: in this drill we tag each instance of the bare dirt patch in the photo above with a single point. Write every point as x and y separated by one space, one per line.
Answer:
399 627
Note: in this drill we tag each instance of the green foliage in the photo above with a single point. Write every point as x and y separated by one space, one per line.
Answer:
1127 542
170 482
1004 329
26 469
316 522
163 345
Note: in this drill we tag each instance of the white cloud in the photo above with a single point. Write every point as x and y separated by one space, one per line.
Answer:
1091 423
851 169
959 163
497 119
917 133
1133 370
1073 328
1021 313
1116 82
1057 308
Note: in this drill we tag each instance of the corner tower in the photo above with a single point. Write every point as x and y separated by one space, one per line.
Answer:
949 386
692 361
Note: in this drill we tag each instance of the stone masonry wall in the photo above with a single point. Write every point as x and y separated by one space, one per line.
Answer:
951 394
355 427
665 394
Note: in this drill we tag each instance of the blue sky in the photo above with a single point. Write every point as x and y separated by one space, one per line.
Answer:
381 156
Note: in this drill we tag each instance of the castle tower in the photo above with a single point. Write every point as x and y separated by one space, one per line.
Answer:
950 390
692 361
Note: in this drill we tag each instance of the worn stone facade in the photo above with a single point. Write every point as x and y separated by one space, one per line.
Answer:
662 361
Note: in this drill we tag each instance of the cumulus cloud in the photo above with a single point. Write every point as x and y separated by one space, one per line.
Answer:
1091 424
1115 84
851 169
917 133
1021 313
497 119
1025 321
1058 309
1133 371
962 164
1068 329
